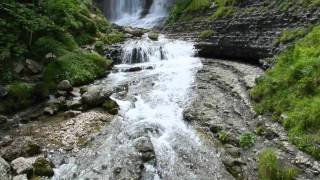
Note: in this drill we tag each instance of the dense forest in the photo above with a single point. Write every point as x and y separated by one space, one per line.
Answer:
160 89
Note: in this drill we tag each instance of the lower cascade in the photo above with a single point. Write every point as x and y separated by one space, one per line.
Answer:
149 139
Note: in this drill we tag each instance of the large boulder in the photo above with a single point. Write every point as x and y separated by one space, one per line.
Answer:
95 96
23 165
4 170
33 66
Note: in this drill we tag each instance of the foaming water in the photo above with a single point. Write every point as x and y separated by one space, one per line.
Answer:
151 108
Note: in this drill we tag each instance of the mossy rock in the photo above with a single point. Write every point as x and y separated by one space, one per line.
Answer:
111 106
33 149
42 167
153 36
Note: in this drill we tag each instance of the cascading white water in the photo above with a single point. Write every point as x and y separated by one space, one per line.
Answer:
137 13
151 108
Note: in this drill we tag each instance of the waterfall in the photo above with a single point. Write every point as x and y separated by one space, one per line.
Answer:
137 13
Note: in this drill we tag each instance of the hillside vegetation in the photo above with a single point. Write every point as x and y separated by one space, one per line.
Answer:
48 34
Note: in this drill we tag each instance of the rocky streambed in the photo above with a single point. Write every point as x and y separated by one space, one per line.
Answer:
222 110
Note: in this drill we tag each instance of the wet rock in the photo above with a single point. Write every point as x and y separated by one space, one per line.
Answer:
65 85
111 106
42 167
23 165
33 66
95 96
5 170
153 36
145 147
20 177
133 69
73 104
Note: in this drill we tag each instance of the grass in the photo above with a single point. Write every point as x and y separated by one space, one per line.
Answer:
290 35
206 34
292 88
271 169
78 67
224 137
247 140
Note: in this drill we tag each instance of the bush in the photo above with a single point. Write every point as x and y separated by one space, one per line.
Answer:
271 169
78 67
247 140
292 87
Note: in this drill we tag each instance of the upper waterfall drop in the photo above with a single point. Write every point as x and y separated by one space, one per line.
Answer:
136 13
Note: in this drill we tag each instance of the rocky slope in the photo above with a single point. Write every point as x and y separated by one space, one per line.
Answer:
249 34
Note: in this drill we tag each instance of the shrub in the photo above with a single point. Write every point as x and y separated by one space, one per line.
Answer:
293 87
271 169
78 67
289 35
247 140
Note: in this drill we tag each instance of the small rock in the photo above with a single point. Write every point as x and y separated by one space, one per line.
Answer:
4 170
33 66
65 85
50 110
20 177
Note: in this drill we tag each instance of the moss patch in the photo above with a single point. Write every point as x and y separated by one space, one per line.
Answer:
42 167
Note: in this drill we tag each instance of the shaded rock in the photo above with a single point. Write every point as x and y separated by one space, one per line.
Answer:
42 167
18 68
73 104
23 165
153 36
65 85
20 177
6 140
3 91
33 66
3 119
71 114
4 170
32 149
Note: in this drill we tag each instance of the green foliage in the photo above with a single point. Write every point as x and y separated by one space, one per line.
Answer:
286 4
271 169
78 67
206 34
289 35
20 95
41 167
111 38
224 8
293 87
247 140
183 7
224 137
